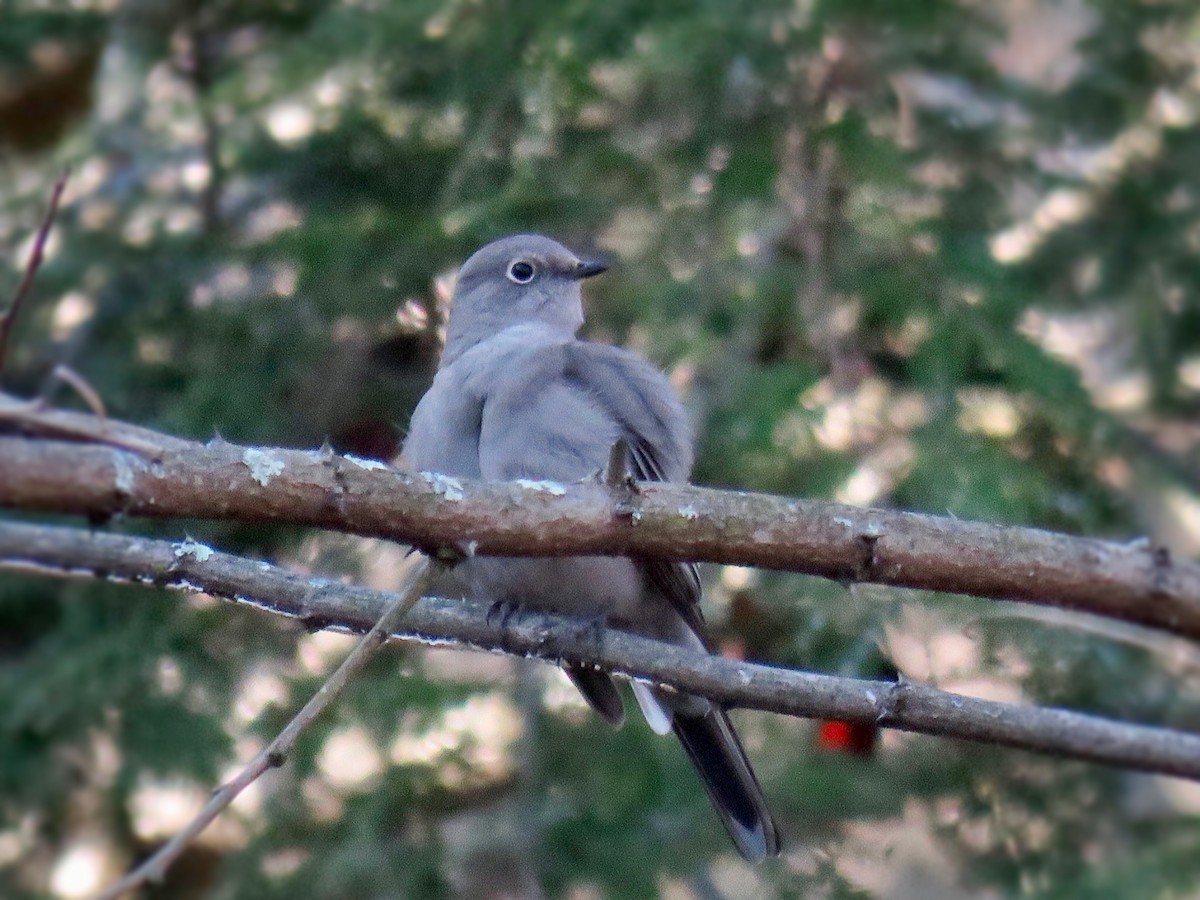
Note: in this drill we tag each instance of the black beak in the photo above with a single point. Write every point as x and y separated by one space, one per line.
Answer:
588 268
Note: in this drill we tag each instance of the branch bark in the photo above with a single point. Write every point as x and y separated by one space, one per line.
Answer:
1134 582
905 706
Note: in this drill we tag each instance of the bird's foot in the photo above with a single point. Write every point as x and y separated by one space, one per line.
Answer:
591 631
502 612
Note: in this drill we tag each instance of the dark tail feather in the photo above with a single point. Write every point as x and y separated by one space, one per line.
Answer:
717 756
599 691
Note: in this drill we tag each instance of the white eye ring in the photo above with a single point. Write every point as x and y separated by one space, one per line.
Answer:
521 271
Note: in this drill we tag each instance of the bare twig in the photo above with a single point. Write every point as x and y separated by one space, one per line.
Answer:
906 706
275 754
35 418
1135 582
36 255
64 373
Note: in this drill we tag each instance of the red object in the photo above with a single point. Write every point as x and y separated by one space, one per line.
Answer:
846 737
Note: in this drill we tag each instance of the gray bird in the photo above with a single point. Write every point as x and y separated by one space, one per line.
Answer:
518 395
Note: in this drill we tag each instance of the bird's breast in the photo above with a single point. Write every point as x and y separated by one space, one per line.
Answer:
444 433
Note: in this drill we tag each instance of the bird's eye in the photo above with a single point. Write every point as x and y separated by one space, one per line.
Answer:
520 272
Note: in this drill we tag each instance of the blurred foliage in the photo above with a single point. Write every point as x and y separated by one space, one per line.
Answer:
940 255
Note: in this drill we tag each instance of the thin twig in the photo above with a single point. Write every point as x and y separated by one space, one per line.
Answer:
64 373
275 754
36 418
36 255
35 415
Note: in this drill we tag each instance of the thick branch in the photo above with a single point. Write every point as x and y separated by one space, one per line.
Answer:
1133 582
905 706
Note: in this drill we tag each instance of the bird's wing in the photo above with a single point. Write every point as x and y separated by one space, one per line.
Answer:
556 415
651 420
557 411
642 401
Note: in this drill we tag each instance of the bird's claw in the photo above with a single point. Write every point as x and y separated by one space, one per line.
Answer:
501 613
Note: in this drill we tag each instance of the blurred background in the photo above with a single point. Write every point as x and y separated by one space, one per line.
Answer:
943 256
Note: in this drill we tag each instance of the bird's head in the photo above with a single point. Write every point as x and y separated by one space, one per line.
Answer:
518 280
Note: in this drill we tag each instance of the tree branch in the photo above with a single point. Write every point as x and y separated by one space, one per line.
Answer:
904 705
1134 582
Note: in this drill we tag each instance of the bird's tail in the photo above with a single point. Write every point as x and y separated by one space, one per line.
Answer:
599 691
717 756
